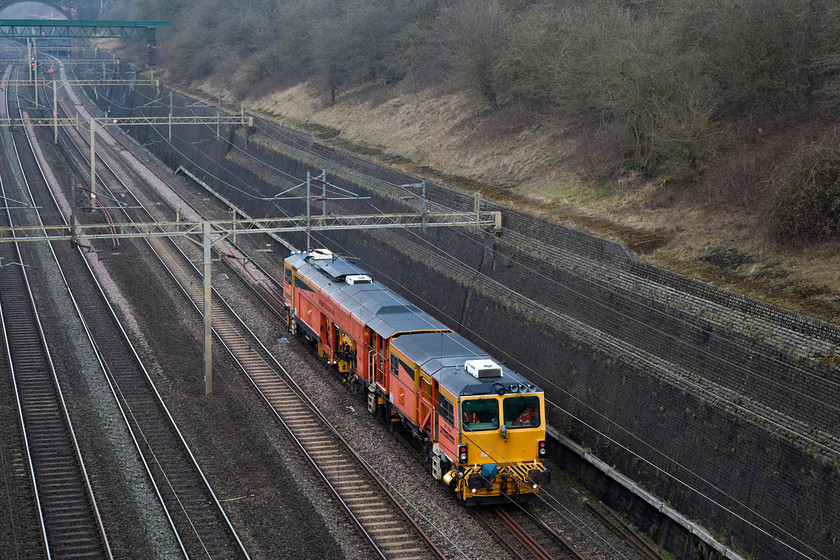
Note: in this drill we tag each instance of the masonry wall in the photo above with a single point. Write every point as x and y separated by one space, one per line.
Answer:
610 399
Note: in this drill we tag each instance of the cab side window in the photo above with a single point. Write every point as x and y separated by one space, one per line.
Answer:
446 410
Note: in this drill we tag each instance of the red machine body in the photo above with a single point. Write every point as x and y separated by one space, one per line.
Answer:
483 425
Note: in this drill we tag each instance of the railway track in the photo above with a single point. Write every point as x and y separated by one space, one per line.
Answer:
363 504
387 526
390 528
565 550
610 519
70 522
71 526
525 536
193 512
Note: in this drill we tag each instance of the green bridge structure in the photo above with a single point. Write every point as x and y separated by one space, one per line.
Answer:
81 23
79 29
53 29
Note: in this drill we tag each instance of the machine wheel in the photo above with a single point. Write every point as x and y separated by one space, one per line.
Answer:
427 453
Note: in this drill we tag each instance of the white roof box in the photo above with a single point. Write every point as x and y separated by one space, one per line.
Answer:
358 279
321 254
481 369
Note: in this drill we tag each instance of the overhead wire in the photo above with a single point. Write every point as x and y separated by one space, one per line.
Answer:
611 342
659 311
664 455
583 295
665 472
593 300
316 234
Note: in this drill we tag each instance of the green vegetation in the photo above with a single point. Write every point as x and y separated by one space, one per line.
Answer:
807 203
653 86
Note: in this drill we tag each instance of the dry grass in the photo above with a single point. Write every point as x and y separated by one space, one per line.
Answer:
521 157
435 130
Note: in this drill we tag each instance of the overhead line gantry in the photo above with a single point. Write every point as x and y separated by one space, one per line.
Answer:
211 232
55 121
224 228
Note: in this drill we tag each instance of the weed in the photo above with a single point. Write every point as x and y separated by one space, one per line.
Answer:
726 258
806 204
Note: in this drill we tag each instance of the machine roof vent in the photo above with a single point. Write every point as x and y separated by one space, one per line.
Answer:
483 369
358 279
321 254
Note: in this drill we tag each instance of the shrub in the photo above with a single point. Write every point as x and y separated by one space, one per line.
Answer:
807 200
762 55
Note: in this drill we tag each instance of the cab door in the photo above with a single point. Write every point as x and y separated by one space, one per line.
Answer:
426 405
378 353
288 287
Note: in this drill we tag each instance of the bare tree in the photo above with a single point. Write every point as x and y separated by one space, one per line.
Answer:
761 55
475 42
